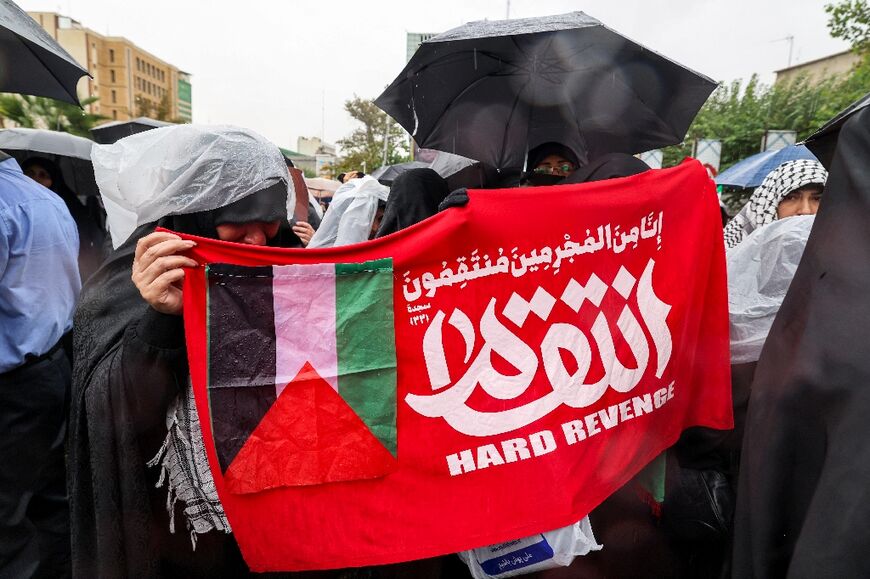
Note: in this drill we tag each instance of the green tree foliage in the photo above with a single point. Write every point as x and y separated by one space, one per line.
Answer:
738 114
849 20
144 107
44 113
364 147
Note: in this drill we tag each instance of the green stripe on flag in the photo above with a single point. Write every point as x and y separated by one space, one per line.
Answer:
366 345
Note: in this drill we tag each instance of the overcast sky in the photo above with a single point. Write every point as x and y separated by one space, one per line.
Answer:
285 67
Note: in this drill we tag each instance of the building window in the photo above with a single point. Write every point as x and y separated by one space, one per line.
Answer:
112 75
111 55
115 115
138 64
114 96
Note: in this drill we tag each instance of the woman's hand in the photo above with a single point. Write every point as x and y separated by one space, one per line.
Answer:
303 231
157 270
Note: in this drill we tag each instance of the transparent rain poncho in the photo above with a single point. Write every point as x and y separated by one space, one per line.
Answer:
182 169
349 217
760 270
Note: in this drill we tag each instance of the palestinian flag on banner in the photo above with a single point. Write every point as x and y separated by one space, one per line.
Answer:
525 385
302 373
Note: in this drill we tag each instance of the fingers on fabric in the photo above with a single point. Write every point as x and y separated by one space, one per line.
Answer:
458 198
162 265
157 270
157 245
164 293
304 231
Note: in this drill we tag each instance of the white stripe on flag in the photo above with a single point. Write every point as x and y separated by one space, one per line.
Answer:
304 299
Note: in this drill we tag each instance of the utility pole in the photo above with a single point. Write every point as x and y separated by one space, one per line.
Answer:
790 40
322 116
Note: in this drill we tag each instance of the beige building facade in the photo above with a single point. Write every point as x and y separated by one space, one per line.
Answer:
129 81
820 69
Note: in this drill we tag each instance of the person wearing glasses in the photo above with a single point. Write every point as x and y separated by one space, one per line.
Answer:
548 164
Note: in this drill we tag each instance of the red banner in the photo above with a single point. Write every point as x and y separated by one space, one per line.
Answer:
550 342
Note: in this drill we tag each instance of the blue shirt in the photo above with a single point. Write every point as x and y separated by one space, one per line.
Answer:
39 278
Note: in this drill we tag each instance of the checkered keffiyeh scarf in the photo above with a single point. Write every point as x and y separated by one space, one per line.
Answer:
185 471
761 208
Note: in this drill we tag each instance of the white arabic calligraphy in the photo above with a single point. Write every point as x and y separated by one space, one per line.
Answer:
567 388
612 238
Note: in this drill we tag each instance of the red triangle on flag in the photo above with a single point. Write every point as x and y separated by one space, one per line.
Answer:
309 436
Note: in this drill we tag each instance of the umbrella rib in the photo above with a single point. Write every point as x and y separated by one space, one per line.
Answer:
445 59
518 47
454 100
650 110
507 125
579 129
47 67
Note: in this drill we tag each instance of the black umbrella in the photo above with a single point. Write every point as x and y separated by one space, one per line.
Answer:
31 61
110 132
492 90
388 173
823 142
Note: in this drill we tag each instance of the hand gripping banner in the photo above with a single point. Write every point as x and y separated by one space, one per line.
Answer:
493 372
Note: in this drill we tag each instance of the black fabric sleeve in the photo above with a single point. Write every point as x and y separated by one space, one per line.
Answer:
152 370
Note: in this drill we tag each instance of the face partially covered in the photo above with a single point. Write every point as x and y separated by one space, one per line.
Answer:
251 233
555 165
801 201
39 174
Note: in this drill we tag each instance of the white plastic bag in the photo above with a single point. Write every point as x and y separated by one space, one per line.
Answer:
760 269
182 169
349 217
543 551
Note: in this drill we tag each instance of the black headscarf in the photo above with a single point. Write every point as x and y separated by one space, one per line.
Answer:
109 301
119 524
414 196
538 154
89 218
58 185
544 150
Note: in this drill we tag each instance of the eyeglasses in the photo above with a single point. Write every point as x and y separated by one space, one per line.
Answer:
562 169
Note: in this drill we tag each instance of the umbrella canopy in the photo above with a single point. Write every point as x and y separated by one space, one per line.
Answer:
751 171
320 191
69 152
320 184
31 61
113 131
824 141
388 173
492 90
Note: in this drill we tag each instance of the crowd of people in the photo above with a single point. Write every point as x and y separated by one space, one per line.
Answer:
112 405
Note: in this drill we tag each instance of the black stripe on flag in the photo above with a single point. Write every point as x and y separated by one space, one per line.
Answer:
241 350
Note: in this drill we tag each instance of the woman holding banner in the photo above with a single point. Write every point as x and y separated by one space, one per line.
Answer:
130 378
